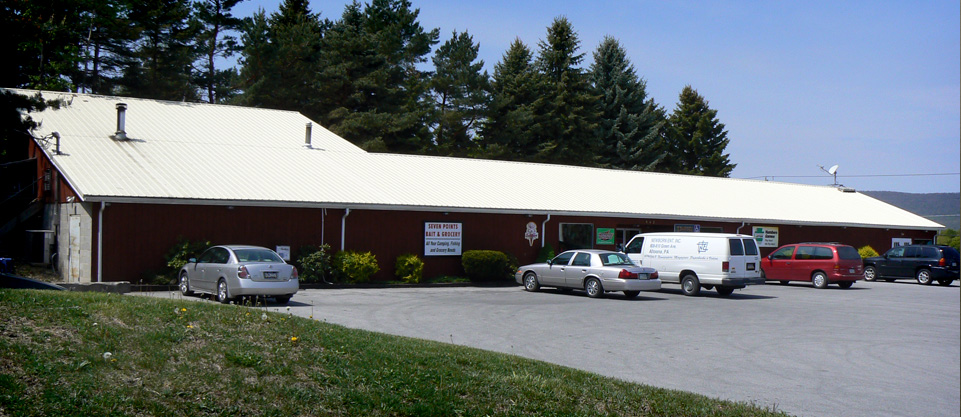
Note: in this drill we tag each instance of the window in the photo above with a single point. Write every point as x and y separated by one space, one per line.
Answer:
804 252
896 252
783 253
737 248
930 253
823 253
912 252
847 252
614 258
207 257
582 259
750 247
257 255
577 236
220 256
634 246
563 259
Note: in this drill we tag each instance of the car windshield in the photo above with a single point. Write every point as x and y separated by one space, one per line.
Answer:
848 252
614 258
257 255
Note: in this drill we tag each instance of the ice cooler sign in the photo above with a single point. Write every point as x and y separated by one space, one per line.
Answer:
442 239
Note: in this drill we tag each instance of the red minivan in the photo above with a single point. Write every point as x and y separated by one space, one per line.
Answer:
818 263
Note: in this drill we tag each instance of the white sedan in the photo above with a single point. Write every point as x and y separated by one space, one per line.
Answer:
592 270
231 271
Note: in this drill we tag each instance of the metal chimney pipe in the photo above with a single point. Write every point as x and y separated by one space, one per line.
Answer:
56 135
307 138
121 122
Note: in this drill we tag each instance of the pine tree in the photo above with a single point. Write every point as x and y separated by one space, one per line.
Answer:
566 115
378 98
215 41
41 44
631 124
159 63
506 132
280 58
460 93
698 139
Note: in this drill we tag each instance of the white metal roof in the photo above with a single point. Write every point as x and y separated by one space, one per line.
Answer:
215 154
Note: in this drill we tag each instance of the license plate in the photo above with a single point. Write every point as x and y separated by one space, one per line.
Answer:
270 274
851 271
750 266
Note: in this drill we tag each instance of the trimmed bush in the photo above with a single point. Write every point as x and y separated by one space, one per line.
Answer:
314 263
867 252
409 268
487 265
354 267
546 253
180 253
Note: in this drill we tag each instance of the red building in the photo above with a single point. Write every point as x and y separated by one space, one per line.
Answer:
124 179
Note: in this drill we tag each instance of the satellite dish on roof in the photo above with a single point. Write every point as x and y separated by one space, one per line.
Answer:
832 171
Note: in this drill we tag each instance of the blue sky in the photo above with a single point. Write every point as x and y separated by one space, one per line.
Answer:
871 86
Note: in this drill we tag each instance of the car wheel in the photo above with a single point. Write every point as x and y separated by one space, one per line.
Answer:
631 294
223 293
690 286
725 291
924 277
593 288
530 282
184 285
944 282
820 280
785 282
846 284
870 274
282 299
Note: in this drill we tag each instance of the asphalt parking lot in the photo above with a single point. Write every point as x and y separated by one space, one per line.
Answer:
877 349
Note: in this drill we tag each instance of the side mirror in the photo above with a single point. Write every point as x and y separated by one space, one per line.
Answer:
550 262
192 260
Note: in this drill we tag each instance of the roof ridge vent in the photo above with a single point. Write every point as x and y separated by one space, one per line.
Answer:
121 122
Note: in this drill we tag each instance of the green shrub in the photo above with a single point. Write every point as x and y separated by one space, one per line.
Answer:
313 263
180 253
409 268
867 252
546 253
487 265
353 267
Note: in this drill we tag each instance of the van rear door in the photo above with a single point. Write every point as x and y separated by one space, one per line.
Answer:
744 258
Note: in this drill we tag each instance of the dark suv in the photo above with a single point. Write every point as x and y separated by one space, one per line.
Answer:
925 263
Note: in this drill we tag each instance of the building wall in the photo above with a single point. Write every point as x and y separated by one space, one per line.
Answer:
137 237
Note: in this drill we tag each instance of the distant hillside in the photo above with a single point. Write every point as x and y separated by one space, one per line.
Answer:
944 208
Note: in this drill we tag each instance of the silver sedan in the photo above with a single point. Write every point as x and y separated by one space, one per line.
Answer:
592 270
231 271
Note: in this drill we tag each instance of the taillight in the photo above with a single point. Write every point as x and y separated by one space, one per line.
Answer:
653 275
242 272
942 262
293 273
725 266
837 267
625 274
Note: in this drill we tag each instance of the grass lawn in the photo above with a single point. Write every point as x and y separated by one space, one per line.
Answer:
94 354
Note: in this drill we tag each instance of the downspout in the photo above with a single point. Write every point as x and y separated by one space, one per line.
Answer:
544 229
103 206
738 231
343 228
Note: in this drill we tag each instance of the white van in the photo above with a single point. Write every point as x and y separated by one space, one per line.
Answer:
721 261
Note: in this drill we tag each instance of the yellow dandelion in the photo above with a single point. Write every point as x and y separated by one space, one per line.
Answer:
190 326
183 309
293 339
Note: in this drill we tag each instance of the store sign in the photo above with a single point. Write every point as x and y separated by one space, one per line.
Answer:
605 236
531 233
284 252
766 236
688 228
442 238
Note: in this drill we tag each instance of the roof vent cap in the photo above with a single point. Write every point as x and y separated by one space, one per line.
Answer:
121 122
